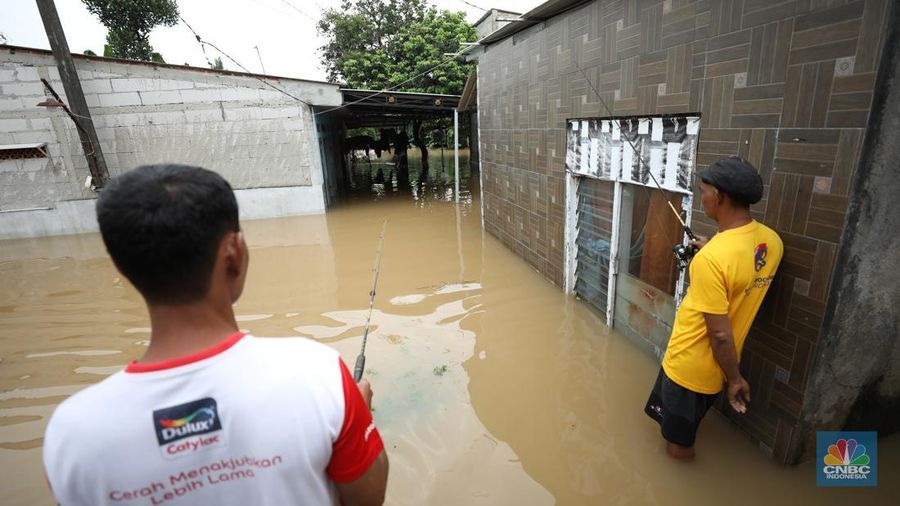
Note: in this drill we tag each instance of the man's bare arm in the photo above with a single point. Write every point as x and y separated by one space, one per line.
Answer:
368 489
721 339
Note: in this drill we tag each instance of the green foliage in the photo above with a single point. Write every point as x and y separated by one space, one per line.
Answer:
374 44
88 52
129 23
369 131
217 64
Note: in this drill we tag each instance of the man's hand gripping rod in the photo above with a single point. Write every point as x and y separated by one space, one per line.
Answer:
361 359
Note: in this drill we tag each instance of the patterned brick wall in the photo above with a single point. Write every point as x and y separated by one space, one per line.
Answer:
788 85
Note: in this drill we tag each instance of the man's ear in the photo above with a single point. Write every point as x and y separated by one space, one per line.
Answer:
720 196
236 261
233 254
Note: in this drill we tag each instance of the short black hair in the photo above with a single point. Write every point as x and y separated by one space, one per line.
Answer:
162 225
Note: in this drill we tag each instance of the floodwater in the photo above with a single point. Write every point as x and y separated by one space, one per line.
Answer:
491 386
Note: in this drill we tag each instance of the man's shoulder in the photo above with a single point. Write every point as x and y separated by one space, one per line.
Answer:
291 358
711 254
291 348
87 404
770 235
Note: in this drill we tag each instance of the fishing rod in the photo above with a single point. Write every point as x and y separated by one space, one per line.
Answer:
361 359
683 254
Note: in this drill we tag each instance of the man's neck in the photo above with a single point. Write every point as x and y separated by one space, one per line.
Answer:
733 218
187 328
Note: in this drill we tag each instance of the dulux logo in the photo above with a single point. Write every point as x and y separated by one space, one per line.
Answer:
185 420
843 459
198 421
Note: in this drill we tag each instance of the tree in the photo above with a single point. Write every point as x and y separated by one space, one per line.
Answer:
129 23
375 44
88 52
379 44
217 64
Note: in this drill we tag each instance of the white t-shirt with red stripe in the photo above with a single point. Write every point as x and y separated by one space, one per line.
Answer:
249 421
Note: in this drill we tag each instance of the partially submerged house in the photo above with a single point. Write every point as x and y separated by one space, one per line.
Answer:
573 92
262 140
279 141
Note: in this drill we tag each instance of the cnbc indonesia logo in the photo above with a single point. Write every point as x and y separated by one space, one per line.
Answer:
846 461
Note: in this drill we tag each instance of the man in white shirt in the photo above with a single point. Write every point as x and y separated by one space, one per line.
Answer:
208 414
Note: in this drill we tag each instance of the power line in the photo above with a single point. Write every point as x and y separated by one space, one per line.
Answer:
278 10
473 5
203 45
289 4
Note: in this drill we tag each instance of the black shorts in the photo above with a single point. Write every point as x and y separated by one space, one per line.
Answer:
677 410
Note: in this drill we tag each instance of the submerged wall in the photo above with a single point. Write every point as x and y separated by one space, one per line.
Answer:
788 86
252 134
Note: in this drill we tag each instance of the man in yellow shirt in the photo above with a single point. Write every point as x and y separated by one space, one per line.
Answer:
730 274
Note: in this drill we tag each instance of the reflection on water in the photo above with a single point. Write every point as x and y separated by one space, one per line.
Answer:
380 177
491 386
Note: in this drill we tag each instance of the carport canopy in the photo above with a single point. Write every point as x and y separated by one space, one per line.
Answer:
378 109
386 109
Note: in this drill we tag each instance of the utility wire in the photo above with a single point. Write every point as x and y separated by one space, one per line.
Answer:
203 45
278 10
289 4
473 5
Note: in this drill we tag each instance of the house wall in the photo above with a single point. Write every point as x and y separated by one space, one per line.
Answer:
787 85
253 135
493 21
860 342
331 135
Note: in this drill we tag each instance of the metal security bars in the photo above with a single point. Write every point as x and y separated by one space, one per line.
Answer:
607 160
594 242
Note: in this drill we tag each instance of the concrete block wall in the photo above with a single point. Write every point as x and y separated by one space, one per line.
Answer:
252 134
37 182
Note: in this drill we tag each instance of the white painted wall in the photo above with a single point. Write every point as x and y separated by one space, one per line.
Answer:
79 216
253 135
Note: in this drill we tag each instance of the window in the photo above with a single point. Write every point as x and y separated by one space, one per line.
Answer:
624 177
20 151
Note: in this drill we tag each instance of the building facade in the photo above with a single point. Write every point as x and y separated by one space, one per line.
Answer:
788 85
261 140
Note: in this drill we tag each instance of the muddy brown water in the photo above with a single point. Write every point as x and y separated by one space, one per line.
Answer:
491 386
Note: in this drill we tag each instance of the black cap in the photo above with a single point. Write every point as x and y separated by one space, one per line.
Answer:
736 177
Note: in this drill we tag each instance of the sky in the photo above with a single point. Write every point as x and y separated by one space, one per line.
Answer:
283 30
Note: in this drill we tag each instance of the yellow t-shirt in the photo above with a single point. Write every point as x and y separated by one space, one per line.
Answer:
730 275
